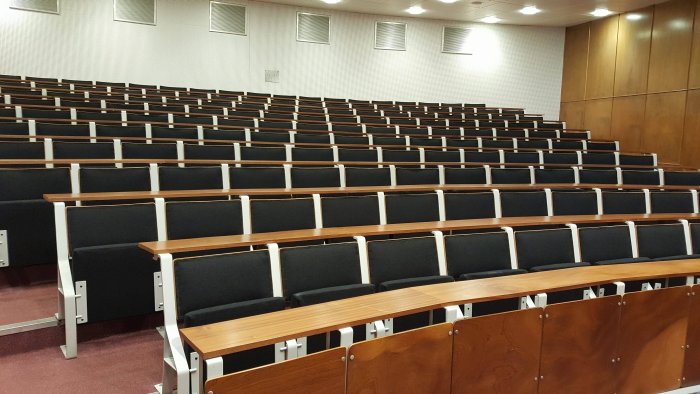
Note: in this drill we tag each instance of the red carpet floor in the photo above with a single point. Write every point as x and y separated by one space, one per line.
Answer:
122 363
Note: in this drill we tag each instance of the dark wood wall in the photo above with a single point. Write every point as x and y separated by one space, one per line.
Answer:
635 77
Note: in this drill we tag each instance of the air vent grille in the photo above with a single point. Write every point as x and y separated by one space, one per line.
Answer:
390 35
456 40
135 11
313 28
227 18
272 76
48 6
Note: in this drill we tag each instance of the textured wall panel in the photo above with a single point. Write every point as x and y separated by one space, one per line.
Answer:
136 11
598 118
633 46
390 35
691 132
575 61
50 6
602 48
511 66
227 18
574 113
671 41
628 121
313 28
694 81
665 115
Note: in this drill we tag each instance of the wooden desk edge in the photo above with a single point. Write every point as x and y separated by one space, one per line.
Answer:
243 240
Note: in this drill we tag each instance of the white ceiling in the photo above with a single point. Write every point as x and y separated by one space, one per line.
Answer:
554 12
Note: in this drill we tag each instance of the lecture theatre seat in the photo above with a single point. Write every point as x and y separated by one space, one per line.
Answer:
237 285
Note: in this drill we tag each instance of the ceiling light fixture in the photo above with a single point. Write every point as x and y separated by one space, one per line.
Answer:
601 12
448 1
530 10
331 1
633 17
416 10
490 19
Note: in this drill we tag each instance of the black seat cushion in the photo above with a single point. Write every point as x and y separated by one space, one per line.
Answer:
327 294
469 206
282 215
491 274
232 311
410 282
623 261
256 178
203 219
551 267
350 211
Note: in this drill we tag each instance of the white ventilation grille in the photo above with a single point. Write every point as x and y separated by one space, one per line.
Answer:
456 40
272 76
390 35
135 11
48 6
313 28
227 18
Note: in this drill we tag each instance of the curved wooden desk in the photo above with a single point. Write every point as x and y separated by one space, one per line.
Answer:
243 240
218 339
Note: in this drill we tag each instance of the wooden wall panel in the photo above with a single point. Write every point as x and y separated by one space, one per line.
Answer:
694 81
575 54
652 345
410 362
598 118
602 50
691 130
663 125
322 372
670 45
497 353
691 371
627 124
633 46
591 328
574 114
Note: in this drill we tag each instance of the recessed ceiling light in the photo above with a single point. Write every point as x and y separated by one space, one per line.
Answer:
448 1
490 19
600 12
529 10
633 17
331 1
415 10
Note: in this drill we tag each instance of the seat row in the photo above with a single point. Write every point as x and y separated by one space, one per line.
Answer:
32 131
250 283
32 184
82 89
355 125
48 149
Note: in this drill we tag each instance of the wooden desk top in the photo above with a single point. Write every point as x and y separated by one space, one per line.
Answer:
235 241
147 195
227 337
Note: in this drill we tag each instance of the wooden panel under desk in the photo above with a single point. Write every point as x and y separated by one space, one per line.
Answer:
497 353
691 375
322 372
416 361
232 336
241 240
652 340
580 336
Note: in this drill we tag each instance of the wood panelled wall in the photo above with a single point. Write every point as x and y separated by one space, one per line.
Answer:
635 77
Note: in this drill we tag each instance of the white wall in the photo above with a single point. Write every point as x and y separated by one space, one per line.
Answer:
513 66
